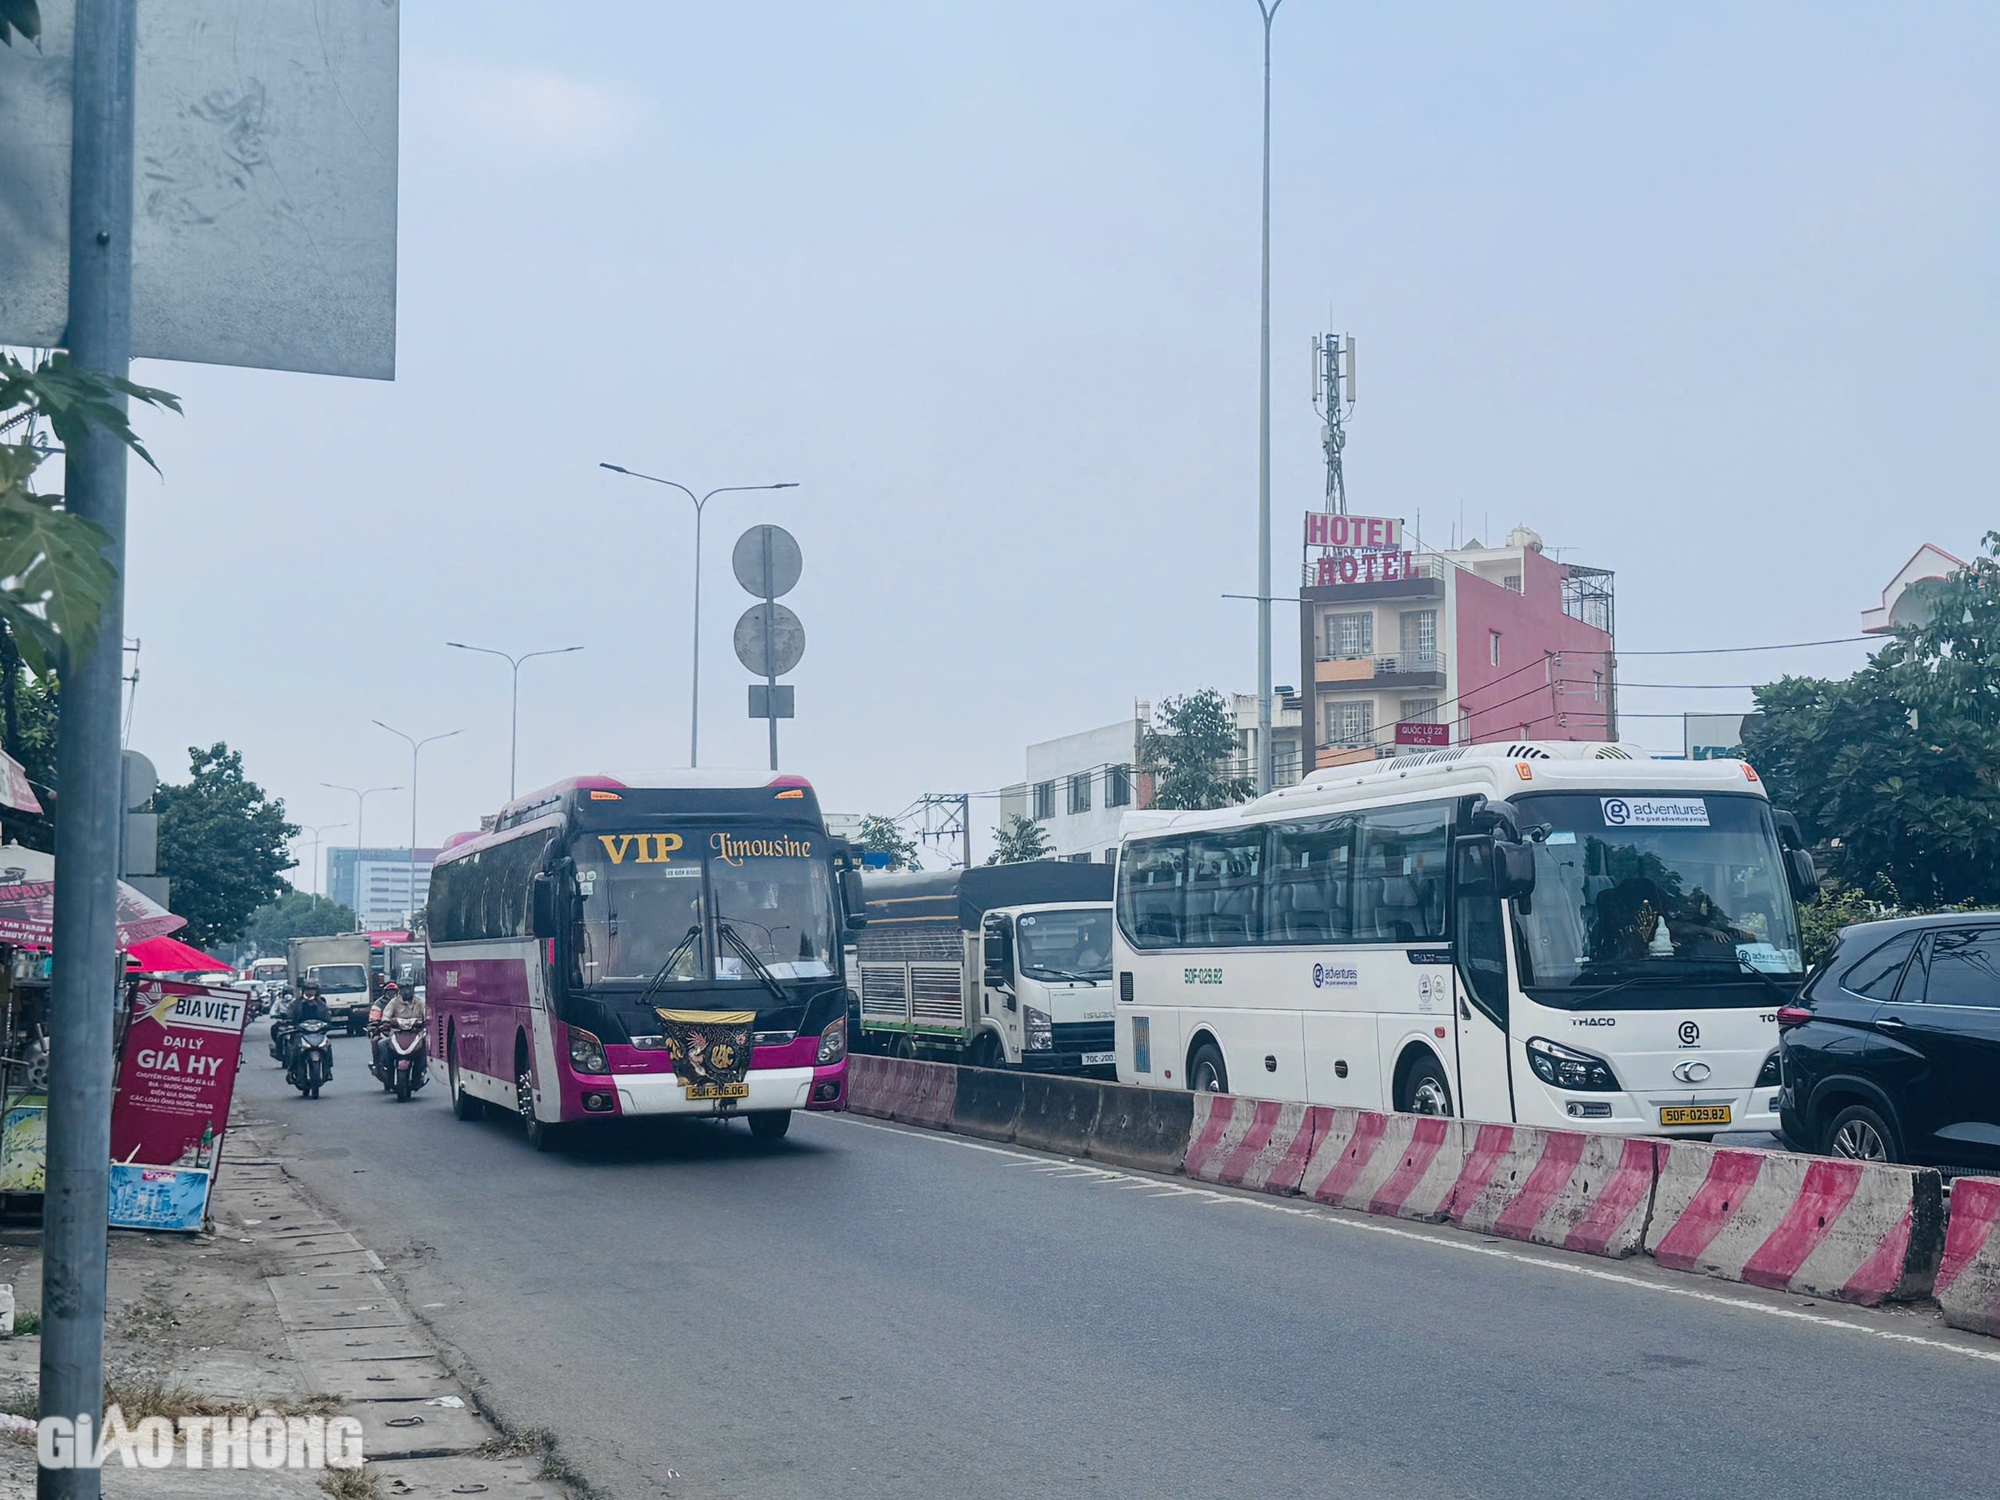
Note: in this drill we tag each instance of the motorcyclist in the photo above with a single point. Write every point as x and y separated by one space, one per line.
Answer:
397 1005
312 1007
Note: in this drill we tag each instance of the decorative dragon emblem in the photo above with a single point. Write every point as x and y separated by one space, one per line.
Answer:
708 1046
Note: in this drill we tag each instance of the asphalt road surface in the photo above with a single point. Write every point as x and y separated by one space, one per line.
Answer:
872 1312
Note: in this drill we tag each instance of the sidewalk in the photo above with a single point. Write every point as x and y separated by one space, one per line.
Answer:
280 1309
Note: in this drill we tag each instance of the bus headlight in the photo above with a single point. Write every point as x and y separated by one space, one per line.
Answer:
586 1052
833 1043
1039 1034
1567 1069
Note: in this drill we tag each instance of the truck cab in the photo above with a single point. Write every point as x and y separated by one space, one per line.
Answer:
1045 988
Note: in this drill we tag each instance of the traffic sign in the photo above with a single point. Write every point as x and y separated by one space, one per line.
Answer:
766 561
770 640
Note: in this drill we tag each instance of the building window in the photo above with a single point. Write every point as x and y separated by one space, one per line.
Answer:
1597 686
1079 793
1512 581
1111 856
1079 859
1045 800
1419 711
1420 634
1118 786
1350 726
1493 647
1350 636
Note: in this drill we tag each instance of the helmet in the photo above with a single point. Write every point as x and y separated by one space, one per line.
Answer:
390 987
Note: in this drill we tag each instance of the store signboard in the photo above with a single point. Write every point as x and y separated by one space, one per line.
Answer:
1358 549
1412 733
176 1076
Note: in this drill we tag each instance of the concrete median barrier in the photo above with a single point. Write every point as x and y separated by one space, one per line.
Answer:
1145 1129
987 1103
1400 1166
1858 1232
1587 1193
924 1094
868 1080
1057 1114
1968 1278
1251 1143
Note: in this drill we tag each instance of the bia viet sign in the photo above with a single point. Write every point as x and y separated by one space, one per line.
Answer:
1423 734
1358 549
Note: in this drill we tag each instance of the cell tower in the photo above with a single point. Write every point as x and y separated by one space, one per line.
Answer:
1333 388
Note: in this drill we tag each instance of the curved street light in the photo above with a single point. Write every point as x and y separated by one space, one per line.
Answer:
415 745
514 713
360 831
316 832
694 707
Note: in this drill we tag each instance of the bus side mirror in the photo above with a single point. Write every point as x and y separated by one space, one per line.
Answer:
853 900
542 898
1801 874
1513 870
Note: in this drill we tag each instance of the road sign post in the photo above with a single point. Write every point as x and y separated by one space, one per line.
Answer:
770 639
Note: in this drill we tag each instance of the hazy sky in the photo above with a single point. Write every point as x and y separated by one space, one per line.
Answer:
1705 294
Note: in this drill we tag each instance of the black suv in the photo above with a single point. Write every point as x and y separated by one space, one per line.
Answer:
1892 1052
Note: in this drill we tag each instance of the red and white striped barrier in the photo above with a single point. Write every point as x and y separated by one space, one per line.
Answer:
1968 1278
1250 1143
1587 1193
1398 1165
1856 1231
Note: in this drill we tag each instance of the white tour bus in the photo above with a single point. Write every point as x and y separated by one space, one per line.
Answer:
1556 933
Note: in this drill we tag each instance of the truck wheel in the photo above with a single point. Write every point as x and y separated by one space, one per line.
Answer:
770 1124
1206 1073
903 1047
985 1052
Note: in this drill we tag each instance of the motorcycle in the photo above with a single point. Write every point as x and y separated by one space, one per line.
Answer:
312 1058
402 1058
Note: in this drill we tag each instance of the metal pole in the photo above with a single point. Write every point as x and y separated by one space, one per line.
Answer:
770 648
514 732
1269 12
965 827
85 988
694 677
415 745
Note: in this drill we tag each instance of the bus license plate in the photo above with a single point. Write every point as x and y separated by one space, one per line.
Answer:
718 1091
1695 1114
1099 1059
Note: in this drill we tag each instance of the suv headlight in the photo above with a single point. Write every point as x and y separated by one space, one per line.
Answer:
833 1042
1568 1069
1040 1035
586 1052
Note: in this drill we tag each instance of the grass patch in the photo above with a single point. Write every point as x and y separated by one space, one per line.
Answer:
350 1484
539 1446
26 1320
153 1395
23 1403
148 1320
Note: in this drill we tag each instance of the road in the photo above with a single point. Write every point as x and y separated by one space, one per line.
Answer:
871 1312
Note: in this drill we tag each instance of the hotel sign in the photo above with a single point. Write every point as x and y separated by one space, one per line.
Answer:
1358 549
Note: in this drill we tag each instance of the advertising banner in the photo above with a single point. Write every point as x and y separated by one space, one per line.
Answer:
176 1076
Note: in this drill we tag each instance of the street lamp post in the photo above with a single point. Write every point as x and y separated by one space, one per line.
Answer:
514 712
360 831
694 707
316 832
415 746
1269 12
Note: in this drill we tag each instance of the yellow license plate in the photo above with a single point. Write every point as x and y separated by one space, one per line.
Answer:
1695 1114
740 1091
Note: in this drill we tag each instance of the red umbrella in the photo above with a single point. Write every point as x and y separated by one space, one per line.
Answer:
165 955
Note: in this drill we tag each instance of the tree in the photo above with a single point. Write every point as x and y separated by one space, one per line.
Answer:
294 914
1019 840
1190 752
1896 770
880 835
222 844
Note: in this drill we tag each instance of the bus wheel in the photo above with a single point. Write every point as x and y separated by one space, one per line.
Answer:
770 1124
1425 1090
541 1136
462 1104
1206 1073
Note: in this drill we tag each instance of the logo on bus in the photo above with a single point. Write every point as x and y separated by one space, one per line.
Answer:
654 848
1690 1034
1339 976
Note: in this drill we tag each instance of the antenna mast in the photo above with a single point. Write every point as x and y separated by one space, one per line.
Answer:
1333 385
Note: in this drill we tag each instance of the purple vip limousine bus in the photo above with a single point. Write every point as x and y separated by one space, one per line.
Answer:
668 946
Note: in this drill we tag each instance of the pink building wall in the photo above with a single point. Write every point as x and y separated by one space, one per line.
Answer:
1528 695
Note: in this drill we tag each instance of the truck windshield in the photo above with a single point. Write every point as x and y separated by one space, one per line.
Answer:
1065 944
1655 884
650 898
340 978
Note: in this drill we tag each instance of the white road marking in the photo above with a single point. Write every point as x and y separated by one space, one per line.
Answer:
1454 1240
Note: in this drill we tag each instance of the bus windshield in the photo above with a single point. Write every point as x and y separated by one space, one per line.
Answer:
1065 944
669 905
1654 884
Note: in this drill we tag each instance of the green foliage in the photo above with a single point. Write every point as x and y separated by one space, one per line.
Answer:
1189 748
54 577
1838 906
1895 771
1019 840
28 716
880 835
222 844
24 16
294 914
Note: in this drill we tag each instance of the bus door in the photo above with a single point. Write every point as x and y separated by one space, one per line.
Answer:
1479 948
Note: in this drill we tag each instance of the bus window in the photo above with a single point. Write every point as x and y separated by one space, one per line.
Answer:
1149 893
1400 889
1225 887
1311 886
1482 933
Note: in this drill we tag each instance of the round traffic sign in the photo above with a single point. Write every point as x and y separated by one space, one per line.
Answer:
766 561
773 649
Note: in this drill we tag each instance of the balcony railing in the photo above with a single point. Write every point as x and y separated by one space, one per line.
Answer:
1402 664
